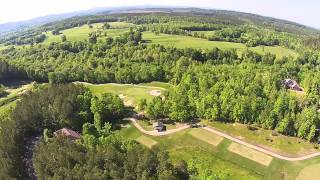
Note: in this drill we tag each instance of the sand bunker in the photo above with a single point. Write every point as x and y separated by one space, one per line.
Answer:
121 96
128 103
155 92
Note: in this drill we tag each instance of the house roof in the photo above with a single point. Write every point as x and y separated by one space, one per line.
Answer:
67 132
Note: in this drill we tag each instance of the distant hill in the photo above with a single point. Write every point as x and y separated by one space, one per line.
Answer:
226 15
282 25
27 24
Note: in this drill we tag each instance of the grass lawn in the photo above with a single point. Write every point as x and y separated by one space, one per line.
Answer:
191 42
5 109
206 136
2 47
129 92
310 173
158 84
81 33
250 154
183 145
13 93
146 141
289 146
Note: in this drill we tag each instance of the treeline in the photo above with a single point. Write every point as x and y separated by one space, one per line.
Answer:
78 21
101 153
123 60
250 36
8 72
246 93
52 108
28 37
113 158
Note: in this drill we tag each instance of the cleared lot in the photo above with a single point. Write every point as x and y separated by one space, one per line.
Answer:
249 153
206 136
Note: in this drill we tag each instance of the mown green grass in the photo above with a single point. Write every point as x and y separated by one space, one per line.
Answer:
146 141
289 146
251 154
206 136
192 42
310 173
131 92
182 145
81 33
158 84
5 110
13 94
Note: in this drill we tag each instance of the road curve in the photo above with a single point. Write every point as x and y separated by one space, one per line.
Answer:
155 132
222 134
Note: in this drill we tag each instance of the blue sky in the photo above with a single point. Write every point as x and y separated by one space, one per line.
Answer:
302 11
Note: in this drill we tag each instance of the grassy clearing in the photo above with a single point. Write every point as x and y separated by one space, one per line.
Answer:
183 145
310 173
146 141
289 146
13 93
188 42
81 33
5 109
120 25
191 42
129 93
158 84
206 136
250 154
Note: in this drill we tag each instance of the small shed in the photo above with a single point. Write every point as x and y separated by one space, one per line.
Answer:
159 126
291 84
67 133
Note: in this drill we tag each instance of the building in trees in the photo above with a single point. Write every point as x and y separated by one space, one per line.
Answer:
159 126
67 133
291 84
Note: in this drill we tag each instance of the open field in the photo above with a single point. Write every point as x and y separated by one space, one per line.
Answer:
128 92
250 154
5 109
289 146
146 141
191 42
206 136
81 33
310 173
158 84
183 145
14 92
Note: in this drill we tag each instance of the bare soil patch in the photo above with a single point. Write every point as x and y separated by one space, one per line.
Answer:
155 92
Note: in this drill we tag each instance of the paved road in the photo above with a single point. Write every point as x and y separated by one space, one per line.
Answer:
219 133
154 132
260 148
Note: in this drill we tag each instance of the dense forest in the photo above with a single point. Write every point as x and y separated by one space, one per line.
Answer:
213 84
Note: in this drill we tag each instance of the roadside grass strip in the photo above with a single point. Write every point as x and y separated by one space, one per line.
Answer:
251 154
310 173
146 141
206 136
